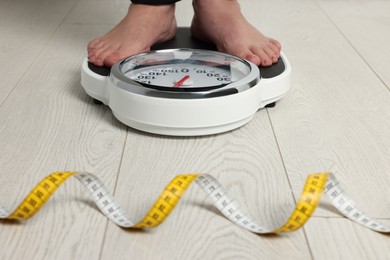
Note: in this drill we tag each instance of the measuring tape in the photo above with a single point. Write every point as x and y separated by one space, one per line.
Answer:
315 186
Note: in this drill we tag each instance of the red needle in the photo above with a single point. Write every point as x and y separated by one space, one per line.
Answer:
180 82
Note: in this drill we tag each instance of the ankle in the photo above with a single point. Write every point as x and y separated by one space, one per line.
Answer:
158 16
153 9
210 4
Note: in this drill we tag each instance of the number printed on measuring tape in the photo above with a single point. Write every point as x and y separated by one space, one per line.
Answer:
316 185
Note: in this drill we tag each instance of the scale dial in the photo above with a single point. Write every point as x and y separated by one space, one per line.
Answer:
185 73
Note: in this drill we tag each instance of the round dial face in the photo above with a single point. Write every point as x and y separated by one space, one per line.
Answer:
185 75
184 70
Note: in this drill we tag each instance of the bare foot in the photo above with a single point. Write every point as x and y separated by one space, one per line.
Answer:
221 22
143 26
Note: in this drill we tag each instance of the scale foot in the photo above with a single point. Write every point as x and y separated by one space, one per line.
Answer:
273 104
97 102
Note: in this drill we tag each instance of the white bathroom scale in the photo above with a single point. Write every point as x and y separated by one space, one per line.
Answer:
184 87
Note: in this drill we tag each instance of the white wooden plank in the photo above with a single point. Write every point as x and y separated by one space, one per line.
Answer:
335 238
97 12
49 124
25 26
366 25
337 114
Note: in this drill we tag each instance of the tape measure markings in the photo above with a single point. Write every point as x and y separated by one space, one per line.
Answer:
308 202
103 199
168 200
348 207
39 195
228 206
315 186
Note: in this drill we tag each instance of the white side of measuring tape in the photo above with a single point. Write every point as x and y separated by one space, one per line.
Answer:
342 202
315 185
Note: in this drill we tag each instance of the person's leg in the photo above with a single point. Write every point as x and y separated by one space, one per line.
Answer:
144 25
221 22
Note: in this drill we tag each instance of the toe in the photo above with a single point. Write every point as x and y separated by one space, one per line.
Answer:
266 62
253 58
109 56
94 59
274 56
96 53
274 51
92 45
275 44
265 59
248 55
97 56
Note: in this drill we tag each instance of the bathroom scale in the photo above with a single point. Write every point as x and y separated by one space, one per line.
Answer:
185 87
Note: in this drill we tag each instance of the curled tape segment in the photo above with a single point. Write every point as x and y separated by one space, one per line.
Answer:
315 186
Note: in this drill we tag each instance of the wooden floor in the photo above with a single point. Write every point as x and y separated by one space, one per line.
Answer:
335 118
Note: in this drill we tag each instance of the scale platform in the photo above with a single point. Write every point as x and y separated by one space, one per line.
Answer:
184 111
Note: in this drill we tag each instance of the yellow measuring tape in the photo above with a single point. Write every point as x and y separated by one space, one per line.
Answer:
316 185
